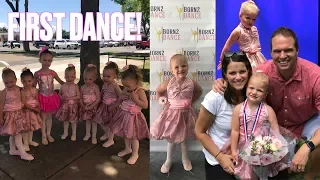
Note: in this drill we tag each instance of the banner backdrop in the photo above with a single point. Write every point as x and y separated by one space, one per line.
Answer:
185 27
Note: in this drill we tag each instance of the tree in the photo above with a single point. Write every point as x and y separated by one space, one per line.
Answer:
15 8
3 29
90 50
65 34
138 6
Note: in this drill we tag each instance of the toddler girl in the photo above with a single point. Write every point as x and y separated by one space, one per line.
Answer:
129 121
246 35
110 93
254 116
30 100
48 98
68 112
177 121
12 117
90 98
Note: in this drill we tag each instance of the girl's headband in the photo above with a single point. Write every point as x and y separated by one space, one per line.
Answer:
70 65
109 62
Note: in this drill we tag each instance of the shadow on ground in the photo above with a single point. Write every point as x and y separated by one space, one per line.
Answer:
67 160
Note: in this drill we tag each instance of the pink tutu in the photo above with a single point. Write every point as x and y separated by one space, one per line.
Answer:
14 123
49 103
69 111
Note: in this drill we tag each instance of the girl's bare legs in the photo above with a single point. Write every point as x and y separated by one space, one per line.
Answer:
65 129
74 131
110 141
23 154
13 150
94 132
127 150
88 129
49 126
43 128
25 137
31 142
135 152
165 168
185 159
106 132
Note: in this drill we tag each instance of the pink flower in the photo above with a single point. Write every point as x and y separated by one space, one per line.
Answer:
266 159
277 143
109 62
70 65
125 68
134 110
24 69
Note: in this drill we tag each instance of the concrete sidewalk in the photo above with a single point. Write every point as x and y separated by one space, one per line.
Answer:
68 160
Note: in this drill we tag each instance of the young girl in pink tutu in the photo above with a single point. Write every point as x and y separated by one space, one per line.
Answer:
70 95
12 117
177 121
89 101
252 118
30 100
246 35
109 93
129 121
48 98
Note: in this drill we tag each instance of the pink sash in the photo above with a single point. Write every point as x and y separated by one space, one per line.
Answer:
180 104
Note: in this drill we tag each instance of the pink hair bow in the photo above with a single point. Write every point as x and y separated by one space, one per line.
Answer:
125 68
70 65
5 68
24 69
109 62
91 65
42 50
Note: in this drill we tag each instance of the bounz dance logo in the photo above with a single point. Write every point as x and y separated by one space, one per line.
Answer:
157 12
202 34
164 76
192 55
167 34
189 12
157 55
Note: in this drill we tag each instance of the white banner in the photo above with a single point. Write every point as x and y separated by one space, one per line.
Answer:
181 27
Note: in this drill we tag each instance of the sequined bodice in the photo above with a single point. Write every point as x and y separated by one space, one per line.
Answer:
45 82
12 100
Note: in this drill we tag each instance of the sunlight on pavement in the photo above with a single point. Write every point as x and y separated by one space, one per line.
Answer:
108 169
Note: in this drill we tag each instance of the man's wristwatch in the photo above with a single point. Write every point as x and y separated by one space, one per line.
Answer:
310 145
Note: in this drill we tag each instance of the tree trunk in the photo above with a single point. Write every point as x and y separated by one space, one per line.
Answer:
90 50
26 46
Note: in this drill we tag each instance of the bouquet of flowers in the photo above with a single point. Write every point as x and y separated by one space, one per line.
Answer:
263 150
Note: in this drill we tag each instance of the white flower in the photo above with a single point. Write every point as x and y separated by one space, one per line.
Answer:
258 138
277 143
162 100
273 148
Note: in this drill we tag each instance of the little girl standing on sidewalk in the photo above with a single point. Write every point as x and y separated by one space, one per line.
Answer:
69 110
90 98
109 93
48 98
29 96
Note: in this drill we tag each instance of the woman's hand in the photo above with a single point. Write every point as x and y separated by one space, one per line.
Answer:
226 162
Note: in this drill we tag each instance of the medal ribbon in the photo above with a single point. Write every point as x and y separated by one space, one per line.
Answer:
245 119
